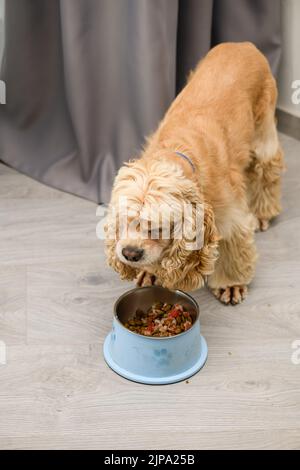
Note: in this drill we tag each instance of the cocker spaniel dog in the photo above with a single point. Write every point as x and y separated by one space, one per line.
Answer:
216 148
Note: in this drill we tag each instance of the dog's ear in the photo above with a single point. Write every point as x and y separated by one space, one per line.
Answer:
178 268
209 252
186 268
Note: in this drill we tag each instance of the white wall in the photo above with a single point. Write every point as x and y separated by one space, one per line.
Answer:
290 60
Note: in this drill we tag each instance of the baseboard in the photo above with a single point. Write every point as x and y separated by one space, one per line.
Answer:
288 124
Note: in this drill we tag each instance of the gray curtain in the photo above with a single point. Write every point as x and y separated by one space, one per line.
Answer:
88 79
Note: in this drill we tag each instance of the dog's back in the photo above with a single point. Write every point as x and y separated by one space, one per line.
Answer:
229 92
230 75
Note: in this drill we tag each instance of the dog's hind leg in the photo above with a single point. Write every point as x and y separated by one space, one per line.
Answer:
235 266
264 170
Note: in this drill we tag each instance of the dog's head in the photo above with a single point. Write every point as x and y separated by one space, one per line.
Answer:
158 222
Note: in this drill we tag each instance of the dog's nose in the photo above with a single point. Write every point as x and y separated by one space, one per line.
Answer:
132 253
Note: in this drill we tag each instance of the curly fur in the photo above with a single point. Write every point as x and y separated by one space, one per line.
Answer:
187 269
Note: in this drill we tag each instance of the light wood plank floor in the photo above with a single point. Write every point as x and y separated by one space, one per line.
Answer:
56 297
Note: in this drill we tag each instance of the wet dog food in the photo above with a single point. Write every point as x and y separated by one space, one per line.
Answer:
161 319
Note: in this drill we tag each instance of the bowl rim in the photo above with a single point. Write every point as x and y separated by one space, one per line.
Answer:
177 291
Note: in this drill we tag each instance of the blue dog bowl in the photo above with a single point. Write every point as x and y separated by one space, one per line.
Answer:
155 360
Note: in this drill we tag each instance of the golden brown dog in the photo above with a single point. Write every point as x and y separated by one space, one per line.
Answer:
217 146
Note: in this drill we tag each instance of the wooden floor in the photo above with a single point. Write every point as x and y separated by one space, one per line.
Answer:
56 297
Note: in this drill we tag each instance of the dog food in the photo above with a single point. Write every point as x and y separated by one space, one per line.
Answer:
162 319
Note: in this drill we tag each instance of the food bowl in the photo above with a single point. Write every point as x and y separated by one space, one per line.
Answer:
154 360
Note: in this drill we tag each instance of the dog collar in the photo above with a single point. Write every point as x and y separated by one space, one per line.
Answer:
182 155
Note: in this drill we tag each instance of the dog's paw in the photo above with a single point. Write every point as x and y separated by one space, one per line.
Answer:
231 295
262 225
145 279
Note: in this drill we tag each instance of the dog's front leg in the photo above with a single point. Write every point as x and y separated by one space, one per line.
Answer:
235 266
145 279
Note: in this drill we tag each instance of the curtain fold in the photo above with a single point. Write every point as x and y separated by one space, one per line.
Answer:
87 80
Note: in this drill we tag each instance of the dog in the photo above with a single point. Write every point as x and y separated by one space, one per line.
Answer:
217 148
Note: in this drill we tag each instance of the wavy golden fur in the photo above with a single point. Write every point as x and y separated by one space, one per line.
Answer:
223 120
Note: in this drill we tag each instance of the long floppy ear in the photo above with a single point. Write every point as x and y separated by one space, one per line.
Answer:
186 268
209 252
